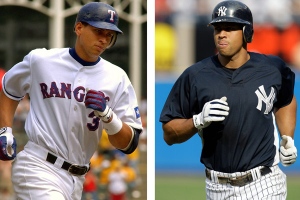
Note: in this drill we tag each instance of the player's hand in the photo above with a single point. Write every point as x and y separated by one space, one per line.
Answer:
96 101
288 151
213 111
8 144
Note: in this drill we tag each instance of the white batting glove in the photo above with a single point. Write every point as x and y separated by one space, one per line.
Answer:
288 151
213 111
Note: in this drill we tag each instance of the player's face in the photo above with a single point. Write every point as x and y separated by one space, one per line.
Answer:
228 38
92 41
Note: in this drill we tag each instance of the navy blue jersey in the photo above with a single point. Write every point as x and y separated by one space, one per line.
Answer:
245 139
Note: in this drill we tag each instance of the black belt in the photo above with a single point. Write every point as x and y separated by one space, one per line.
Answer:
239 180
73 169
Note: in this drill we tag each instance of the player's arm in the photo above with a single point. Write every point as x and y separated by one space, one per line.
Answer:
126 139
178 130
286 122
7 112
7 140
286 118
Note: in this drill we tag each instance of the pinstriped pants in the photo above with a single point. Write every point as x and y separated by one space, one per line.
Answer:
271 186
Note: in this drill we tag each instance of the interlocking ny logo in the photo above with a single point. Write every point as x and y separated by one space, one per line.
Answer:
222 11
262 97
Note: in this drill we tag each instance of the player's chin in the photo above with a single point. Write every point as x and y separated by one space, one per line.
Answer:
98 50
224 53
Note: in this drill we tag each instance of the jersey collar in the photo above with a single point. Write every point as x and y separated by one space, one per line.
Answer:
81 61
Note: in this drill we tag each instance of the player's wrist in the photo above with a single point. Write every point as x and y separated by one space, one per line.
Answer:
5 130
199 122
196 121
287 137
114 125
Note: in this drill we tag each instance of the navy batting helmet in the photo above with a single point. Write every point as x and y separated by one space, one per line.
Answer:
100 15
236 12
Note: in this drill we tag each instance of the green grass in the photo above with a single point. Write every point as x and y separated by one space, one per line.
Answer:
179 187
293 186
188 187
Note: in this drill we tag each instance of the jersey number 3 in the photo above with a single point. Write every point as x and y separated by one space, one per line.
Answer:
95 123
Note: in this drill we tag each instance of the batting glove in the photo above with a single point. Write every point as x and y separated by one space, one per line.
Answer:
288 151
8 144
96 100
215 110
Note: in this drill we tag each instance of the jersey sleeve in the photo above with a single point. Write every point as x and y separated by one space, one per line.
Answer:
16 81
180 101
126 107
286 91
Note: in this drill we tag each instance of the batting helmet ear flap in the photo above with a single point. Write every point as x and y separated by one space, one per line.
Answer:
113 40
248 33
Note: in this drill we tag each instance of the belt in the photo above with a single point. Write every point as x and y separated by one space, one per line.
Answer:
73 169
239 180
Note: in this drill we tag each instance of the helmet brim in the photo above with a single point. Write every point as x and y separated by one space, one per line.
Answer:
104 25
228 19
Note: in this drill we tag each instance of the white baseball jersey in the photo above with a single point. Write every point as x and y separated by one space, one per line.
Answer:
56 81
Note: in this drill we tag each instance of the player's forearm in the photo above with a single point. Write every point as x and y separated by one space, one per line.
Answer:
178 131
8 108
286 119
121 139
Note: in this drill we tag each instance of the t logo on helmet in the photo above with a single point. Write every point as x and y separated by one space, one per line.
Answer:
222 11
112 14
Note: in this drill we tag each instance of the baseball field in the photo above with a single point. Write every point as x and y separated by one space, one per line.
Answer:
192 187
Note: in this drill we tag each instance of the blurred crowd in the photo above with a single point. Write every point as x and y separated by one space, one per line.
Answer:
113 175
276 29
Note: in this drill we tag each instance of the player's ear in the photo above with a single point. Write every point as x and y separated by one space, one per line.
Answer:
78 27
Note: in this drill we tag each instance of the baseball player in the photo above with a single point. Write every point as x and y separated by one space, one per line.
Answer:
74 94
234 100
